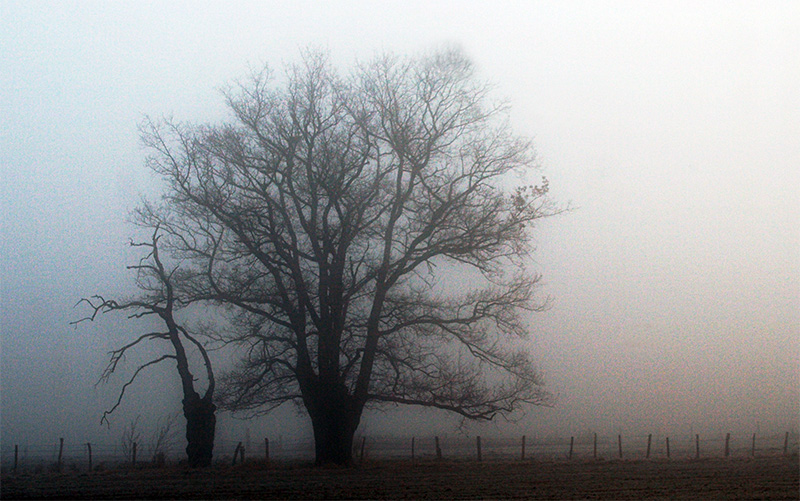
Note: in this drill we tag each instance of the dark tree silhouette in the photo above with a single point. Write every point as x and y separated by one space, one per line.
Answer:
332 217
159 298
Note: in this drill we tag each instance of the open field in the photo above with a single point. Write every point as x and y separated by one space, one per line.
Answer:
713 478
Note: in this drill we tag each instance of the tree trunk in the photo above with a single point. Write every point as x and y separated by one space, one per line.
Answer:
333 439
201 425
334 417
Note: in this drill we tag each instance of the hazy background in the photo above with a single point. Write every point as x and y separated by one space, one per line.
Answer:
672 127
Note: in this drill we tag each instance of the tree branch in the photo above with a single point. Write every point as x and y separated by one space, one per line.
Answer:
130 381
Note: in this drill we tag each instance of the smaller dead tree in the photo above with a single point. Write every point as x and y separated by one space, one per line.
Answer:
159 297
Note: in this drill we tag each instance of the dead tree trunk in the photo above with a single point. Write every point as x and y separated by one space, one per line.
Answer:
201 425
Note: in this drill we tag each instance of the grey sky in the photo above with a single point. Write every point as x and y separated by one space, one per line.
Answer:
672 127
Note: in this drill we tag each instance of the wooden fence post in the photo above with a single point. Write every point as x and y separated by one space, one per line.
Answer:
133 459
667 447
571 445
649 441
786 444
363 445
241 453
753 448
523 448
697 446
438 449
266 449
594 447
727 444
60 452
413 444
478 444
89 448
619 442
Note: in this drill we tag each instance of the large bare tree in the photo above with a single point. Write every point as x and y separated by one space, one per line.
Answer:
360 232
158 297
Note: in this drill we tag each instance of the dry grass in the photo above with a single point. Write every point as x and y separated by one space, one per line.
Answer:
760 478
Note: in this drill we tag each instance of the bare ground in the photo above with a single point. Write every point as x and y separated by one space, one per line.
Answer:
759 478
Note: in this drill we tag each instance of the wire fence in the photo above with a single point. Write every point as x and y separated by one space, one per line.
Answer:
64 456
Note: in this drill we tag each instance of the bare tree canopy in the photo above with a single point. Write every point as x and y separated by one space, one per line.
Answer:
326 218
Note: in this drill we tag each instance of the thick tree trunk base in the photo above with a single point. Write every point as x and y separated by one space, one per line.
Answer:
201 423
334 450
335 419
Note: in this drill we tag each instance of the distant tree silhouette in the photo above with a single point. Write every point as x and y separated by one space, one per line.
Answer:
326 219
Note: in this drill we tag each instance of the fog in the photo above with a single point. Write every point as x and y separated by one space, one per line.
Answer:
671 129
